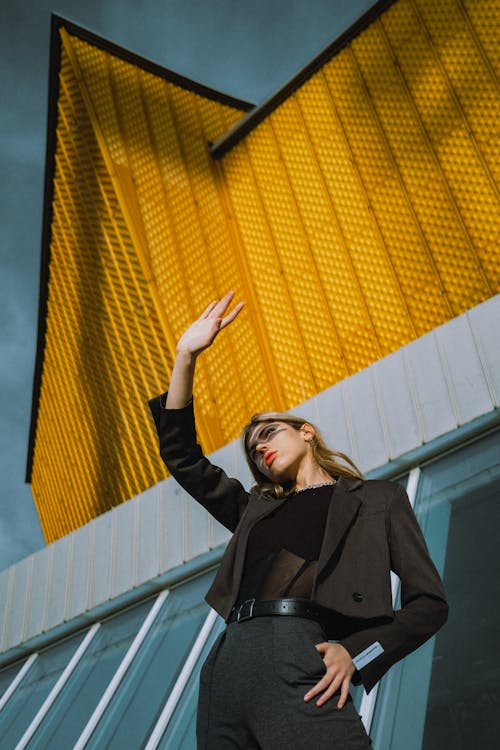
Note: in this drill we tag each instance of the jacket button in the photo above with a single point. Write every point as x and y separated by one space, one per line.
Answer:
357 596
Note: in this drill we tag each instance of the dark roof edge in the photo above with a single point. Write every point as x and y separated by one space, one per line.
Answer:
50 148
233 136
48 194
151 67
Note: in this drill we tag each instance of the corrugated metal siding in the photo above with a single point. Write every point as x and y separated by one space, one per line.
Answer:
361 213
430 387
133 194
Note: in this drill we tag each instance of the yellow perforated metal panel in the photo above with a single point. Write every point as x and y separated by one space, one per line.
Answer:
139 242
372 191
360 214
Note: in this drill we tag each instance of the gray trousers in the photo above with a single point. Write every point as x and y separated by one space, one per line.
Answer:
252 689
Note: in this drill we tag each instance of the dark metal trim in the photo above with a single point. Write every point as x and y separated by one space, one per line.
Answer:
50 151
226 142
141 62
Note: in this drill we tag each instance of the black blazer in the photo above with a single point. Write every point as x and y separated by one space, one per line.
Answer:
371 529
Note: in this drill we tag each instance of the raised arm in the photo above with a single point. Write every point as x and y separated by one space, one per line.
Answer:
199 336
225 498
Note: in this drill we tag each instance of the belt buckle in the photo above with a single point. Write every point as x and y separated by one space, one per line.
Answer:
245 610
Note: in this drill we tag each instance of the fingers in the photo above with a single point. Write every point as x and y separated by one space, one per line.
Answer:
207 310
337 675
322 647
232 315
220 307
344 692
217 309
319 687
328 686
331 690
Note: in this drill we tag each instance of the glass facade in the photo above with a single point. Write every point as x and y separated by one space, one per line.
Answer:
34 688
131 680
7 676
74 706
445 694
133 712
181 731
142 679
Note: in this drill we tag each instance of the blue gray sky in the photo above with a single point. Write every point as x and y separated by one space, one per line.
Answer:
247 48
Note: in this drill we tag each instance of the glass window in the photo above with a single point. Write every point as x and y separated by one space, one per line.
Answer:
75 704
464 691
26 700
181 730
357 693
7 675
445 694
135 708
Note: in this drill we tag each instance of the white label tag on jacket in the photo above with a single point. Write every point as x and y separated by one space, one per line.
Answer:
368 655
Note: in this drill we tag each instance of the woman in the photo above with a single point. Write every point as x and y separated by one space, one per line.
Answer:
309 561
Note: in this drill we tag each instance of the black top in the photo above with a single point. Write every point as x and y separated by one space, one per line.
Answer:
283 549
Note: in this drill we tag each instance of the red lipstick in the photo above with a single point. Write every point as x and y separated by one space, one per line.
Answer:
269 457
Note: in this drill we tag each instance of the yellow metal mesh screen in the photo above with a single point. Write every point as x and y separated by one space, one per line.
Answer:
360 214
369 199
133 190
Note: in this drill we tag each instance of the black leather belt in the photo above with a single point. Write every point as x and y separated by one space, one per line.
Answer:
291 607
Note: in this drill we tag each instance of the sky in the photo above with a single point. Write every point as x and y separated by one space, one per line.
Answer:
247 48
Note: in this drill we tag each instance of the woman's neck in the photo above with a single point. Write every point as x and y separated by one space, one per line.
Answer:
310 474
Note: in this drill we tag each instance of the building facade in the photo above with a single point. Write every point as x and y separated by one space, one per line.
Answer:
357 212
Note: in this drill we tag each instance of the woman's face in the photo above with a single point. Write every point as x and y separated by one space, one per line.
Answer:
278 449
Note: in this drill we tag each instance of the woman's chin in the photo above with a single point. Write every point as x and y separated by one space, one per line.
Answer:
280 477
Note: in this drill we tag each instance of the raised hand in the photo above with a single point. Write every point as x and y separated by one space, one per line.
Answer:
198 337
202 333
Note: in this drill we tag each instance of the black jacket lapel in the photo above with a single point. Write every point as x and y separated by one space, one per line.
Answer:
344 507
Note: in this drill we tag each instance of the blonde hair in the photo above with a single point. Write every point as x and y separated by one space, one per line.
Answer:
335 463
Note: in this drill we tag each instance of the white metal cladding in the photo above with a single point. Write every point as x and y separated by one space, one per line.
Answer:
425 390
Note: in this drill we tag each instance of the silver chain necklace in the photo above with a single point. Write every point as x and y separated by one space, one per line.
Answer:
315 486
